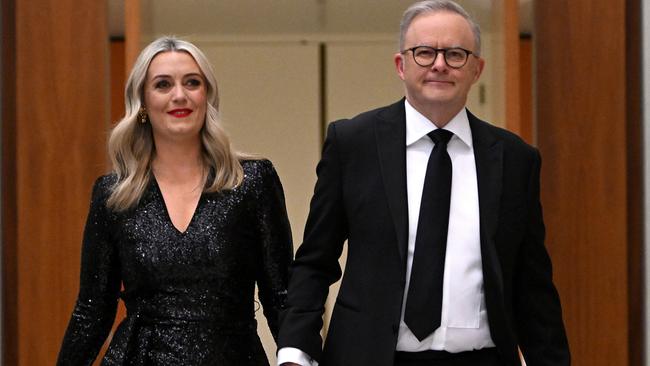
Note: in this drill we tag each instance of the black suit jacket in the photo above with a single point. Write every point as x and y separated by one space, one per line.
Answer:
361 196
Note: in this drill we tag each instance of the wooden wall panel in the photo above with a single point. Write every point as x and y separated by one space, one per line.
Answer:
511 82
526 126
118 75
582 129
61 113
132 25
9 278
634 129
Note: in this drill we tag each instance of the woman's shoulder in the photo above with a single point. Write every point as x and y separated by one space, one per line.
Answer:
106 181
257 167
260 174
104 185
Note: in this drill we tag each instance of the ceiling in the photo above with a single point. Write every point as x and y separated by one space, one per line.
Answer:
274 17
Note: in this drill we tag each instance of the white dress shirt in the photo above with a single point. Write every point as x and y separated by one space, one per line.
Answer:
464 322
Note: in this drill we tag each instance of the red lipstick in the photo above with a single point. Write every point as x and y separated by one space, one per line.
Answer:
180 113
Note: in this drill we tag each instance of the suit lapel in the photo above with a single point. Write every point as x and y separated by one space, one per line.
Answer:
391 145
488 155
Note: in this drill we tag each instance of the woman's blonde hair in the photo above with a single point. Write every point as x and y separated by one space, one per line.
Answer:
131 147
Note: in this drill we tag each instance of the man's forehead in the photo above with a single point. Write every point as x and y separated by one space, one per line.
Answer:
440 16
443 24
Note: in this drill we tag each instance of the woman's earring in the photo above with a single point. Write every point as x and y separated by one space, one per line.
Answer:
142 113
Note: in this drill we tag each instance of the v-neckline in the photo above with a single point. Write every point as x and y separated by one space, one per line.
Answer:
169 218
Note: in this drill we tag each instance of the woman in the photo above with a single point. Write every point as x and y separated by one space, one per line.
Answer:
187 225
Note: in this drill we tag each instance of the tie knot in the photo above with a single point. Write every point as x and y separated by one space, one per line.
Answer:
440 136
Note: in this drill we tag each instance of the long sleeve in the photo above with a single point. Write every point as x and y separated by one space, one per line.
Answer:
541 331
316 265
94 312
276 245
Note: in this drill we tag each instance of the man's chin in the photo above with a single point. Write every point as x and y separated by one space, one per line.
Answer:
436 98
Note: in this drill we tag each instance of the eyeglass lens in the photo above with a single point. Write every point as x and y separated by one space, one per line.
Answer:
426 56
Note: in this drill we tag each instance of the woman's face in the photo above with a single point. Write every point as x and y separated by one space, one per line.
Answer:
175 96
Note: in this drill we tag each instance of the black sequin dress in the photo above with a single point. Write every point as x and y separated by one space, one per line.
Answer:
189 295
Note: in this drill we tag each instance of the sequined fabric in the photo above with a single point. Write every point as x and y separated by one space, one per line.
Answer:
189 295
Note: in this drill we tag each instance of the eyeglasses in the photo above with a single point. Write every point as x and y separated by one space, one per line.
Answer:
425 56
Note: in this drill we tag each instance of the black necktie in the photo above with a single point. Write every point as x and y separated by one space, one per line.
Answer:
424 298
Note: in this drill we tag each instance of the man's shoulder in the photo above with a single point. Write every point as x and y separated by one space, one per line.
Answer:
368 118
381 112
508 138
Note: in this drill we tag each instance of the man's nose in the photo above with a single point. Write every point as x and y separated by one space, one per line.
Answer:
439 64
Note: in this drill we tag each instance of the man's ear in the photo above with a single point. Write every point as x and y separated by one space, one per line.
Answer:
479 68
398 58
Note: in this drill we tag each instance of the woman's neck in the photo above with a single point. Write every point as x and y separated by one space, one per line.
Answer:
176 162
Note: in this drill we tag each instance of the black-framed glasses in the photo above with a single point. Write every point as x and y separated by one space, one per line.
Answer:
425 56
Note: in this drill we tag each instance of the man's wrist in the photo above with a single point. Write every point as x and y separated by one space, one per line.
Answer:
290 356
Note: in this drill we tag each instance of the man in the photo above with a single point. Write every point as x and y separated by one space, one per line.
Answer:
446 259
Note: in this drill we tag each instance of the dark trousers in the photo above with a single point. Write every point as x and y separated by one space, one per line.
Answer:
482 357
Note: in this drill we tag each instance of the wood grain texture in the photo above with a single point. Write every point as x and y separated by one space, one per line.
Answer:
9 234
132 25
633 94
582 129
117 75
511 74
526 125
61 113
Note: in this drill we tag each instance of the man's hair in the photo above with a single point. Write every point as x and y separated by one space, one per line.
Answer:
430 6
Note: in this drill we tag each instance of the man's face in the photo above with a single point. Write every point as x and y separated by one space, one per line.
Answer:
438 85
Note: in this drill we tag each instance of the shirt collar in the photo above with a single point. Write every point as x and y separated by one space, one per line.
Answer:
417 125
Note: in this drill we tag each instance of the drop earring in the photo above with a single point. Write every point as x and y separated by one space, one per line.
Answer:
142 113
